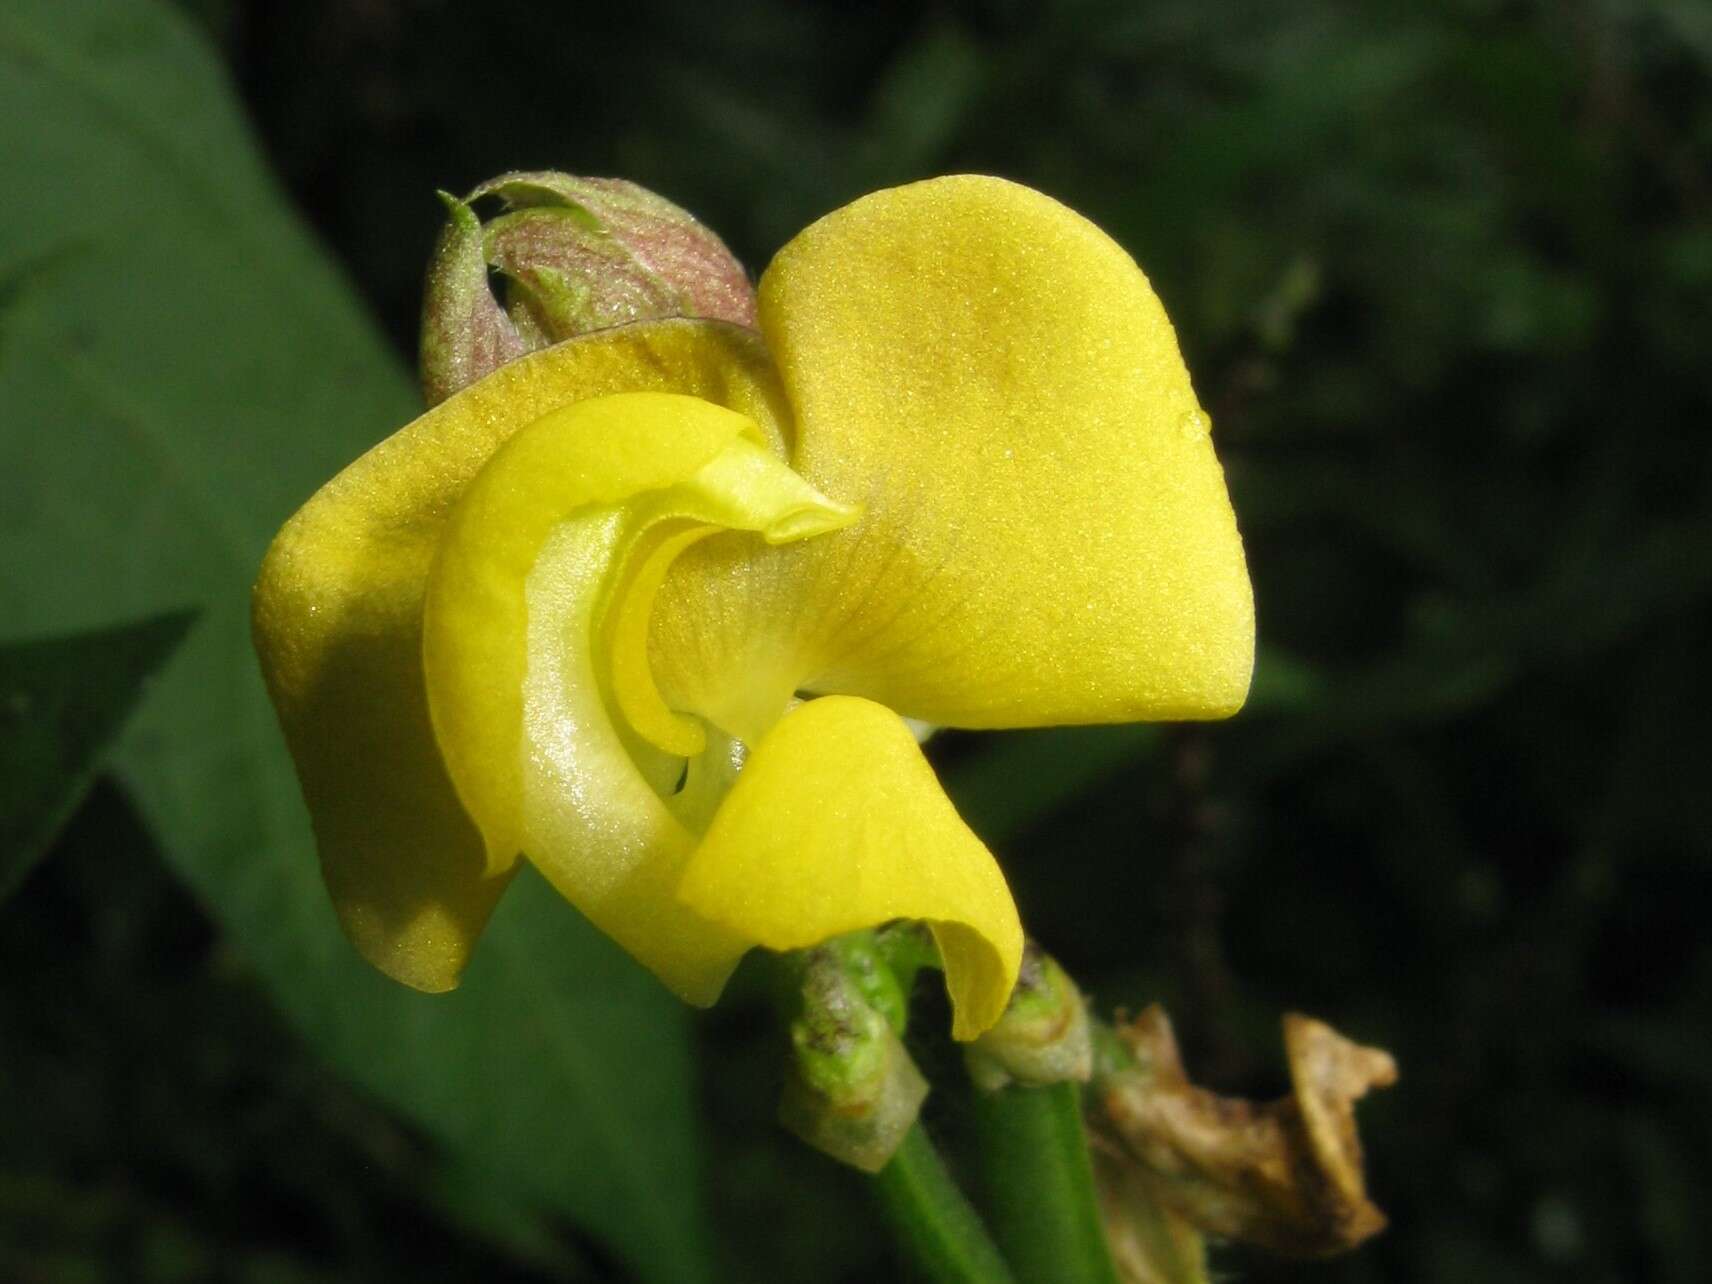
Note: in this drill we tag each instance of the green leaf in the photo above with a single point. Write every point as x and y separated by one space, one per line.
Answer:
179 369
62 700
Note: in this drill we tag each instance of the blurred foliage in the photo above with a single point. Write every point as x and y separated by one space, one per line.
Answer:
180 368
164 1126
62 700
1444 275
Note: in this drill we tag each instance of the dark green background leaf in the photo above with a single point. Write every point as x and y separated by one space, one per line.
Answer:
61 702
179 368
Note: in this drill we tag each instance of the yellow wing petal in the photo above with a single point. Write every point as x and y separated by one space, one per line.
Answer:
1047 535
838 823
338 615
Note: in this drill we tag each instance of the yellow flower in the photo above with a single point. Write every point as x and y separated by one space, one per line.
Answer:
649 606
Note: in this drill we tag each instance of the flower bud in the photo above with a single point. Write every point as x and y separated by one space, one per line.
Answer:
853 1091
1043 1037
569 256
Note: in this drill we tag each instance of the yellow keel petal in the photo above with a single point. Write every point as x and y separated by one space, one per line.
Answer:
530 592
582 463
838 823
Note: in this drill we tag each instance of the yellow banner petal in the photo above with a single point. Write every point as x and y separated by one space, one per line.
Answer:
1047 535
338 626
836 823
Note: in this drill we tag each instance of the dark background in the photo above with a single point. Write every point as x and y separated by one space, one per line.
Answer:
1443 273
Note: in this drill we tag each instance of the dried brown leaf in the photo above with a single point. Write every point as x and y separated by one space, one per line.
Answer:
1286 1175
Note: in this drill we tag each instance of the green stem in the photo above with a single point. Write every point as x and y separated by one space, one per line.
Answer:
1040 1184
932 1222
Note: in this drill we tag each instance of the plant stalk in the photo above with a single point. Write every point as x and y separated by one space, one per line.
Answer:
934 1226
1039 1183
